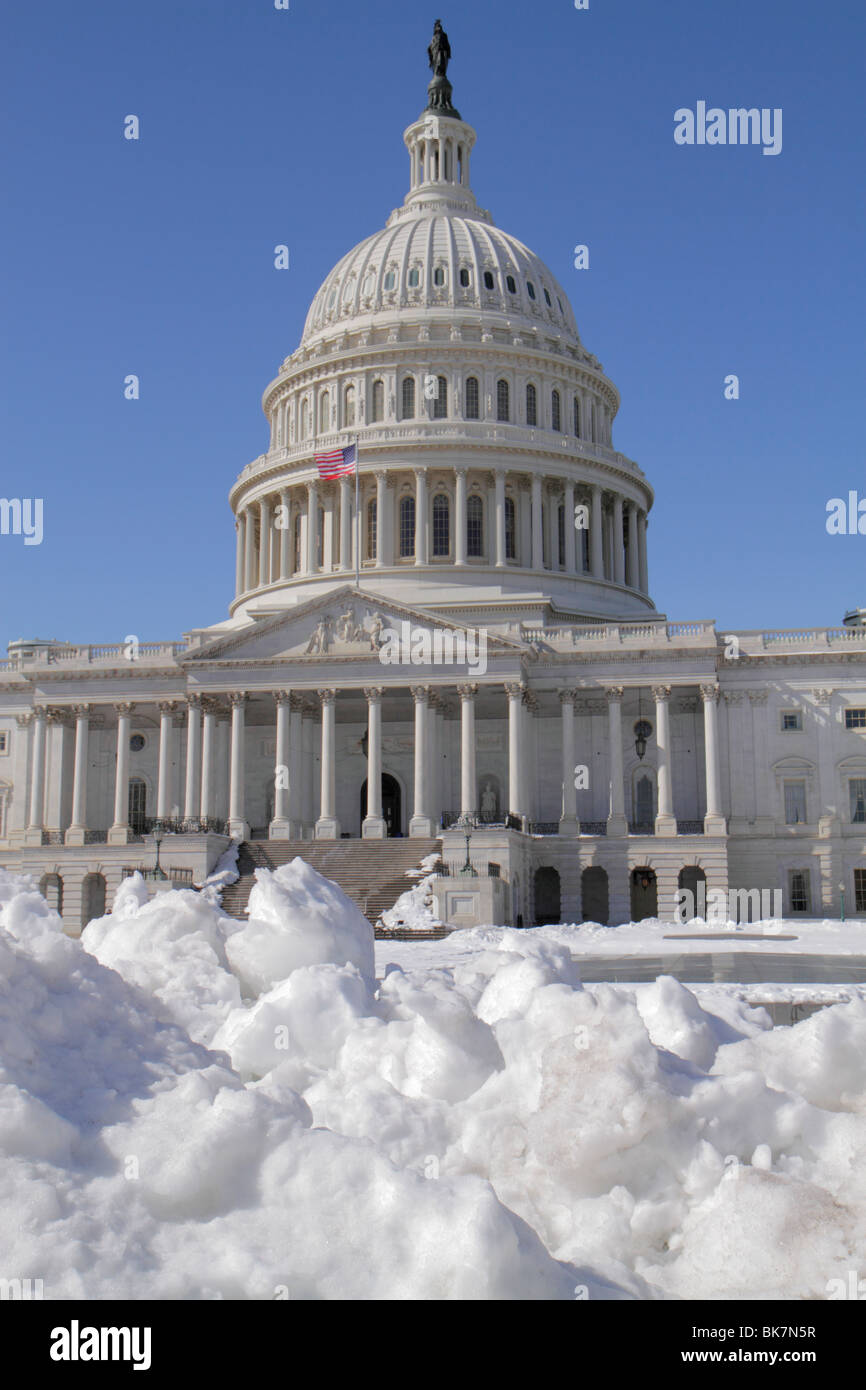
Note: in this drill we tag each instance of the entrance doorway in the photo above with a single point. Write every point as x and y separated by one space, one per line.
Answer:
547 903
392 808
594 895
644 894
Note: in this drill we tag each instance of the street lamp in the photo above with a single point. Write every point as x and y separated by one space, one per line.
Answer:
158 837
465 823
842 902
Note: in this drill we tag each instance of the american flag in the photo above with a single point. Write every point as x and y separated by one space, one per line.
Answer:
337 462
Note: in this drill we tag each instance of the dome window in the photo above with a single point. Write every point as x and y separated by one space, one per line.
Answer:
503 403
439 277
531 405
474 527
369 283
465 277
559 302
414 278
390 280
377 412
441 525
136 743
555 411
488 279
408 398
511 284
472 398
530 289
440 400
349 406
407 528
347 292
332 298
548 299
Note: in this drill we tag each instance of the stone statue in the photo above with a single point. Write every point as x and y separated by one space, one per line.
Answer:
347 628
376 632
439 50
488 803
321 637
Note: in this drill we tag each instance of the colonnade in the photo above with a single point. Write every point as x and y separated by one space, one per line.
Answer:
294 803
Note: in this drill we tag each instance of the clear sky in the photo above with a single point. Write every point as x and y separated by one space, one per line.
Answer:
261 127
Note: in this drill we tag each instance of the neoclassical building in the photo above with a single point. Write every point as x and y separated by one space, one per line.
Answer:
473 648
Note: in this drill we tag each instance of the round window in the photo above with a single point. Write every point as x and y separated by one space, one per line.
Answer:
136 743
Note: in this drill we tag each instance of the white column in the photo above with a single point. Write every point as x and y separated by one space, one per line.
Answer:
596 548
632 574
714 820
312 527
570 536
285 534
76 833
381 503
238 827
345 524
207 806
499 512
250 547
327 826
37 777
296 813
552 530
420 826
308 809
193 752
240 533
373 827
641 550
468 779
537 533
166 734
279 828
119 832
514 691
618 550
460 516
616 821
421 527
265 541
568 824
665 820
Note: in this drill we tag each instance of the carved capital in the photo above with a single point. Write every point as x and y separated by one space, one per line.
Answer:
467 692
709 693
193 700
373 693
23 720
515 689
327 697
567 697
282 697
237 698
758 697
661 693
614 693
822 696
123 707
167 706
40 712
732 697
420 694
82 711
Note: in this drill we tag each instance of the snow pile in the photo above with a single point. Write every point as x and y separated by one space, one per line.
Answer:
414 909
488 1129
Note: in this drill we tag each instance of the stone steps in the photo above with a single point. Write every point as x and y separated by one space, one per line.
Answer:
370 872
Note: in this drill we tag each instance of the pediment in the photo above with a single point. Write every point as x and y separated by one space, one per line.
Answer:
345 624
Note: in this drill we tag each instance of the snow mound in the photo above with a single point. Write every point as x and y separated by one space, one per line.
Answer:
413 910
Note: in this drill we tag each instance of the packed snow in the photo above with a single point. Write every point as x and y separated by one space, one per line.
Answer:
194 1107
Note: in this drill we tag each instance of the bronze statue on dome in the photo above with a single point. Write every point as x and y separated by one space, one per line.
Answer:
439 90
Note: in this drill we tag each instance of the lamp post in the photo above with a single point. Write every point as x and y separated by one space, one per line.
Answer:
465 823
158 836
842 902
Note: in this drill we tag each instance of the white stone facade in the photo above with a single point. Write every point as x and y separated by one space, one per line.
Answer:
494 510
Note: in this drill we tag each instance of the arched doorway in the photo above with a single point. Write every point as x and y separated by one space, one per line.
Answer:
547 903
644 894
51 888
691 877
92 898
594 896
392 805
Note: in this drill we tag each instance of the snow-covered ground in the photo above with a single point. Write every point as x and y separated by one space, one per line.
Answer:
194 1107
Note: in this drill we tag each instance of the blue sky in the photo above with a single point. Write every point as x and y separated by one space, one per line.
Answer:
261 127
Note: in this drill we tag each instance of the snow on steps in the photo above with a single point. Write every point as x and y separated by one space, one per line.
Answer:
370 872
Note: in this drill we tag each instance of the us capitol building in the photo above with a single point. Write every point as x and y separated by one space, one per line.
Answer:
598 755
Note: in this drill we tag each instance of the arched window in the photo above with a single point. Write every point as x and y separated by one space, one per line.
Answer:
511 284
305 419
407 526
472 398
531 289
531 405
576 418
371 529
51 888
465 277
503 400
474 526
440 401
324 412
488 280
390 280
439 276
441 525
414 278
92 898
510 529
137 804
407 404
555 411
349 406
378 402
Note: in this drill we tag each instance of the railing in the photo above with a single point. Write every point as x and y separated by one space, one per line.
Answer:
544 827
593 827
690 827
641 827
170 875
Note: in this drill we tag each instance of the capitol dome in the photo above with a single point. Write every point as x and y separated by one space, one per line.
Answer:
488 481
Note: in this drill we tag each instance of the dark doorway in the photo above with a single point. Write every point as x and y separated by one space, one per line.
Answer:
392 810
92 898
595 903
690 879
644 894
137 805
547 905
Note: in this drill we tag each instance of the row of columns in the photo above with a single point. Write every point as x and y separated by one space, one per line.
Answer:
293 801
265 531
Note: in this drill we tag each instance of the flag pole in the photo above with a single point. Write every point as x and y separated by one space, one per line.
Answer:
357 514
